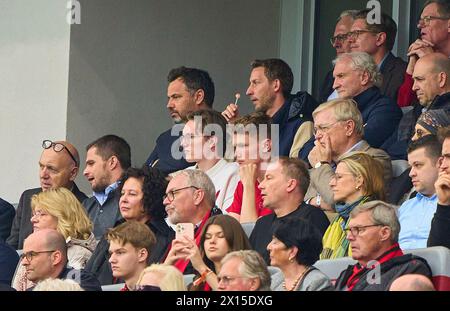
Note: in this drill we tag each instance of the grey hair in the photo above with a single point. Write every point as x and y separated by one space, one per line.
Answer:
363 62
344 109
350 13
382 213
252 266
199 179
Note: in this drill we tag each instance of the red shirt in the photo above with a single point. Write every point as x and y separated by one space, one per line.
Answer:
236 206
406 95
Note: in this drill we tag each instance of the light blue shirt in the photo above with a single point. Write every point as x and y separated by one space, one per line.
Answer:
102 196
415 217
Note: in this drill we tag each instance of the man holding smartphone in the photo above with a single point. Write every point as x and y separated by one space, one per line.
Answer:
190 198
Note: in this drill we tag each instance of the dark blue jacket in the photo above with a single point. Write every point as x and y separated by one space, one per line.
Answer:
7 213
297 109
162 157
8 263
380 114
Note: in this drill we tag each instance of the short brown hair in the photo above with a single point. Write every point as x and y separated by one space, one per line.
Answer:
137 234
443 134
254 118
275 68
296 169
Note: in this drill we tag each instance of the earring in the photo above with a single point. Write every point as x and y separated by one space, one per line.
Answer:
291 259
358 187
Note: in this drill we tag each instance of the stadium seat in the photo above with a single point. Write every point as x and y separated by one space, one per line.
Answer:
248 227
398 167
438 258
113 287
188 278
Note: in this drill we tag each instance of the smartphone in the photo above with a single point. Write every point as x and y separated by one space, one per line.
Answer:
184 228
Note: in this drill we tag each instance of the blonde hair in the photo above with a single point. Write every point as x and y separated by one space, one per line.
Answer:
344 110
361 164
57 285
170 277
61 203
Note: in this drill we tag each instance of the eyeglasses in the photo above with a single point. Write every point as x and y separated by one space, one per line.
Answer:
339 38
228 279
58 147
357 230
324 128
353 35
29 255
426 20
170 196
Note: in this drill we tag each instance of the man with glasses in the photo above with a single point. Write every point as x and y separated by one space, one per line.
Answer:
106 160
377 40
243 271
341 44
373 232
439 232
58 167
45 256
339 130
189 198
434 36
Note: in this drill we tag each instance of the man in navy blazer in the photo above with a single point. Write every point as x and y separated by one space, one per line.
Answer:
7 213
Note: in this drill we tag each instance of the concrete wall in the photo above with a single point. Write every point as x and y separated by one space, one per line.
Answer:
34 62
122 51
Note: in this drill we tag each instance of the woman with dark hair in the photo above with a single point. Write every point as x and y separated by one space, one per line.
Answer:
221 235
141 200
295 247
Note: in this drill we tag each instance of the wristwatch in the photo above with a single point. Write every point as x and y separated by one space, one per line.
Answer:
319 164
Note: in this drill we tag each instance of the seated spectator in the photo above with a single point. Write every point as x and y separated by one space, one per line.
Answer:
428 124
141 200
432 86
373 234
339 130
204 142
358 179
57 285
252 146
59 209
58 167
441 221
107 159
189 198
412 282
161 277
415 214
295 247
45 256
221 235
8 263
357 77
283 190
7 213
271 82
130 246
243 271
189 89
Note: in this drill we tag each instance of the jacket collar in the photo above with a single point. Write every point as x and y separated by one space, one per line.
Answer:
365 98
440 101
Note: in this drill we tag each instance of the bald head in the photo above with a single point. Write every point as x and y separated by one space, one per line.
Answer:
49 239
58 165
437 62
412 282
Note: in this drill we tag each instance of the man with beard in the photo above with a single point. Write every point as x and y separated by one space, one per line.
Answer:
106 160
189 89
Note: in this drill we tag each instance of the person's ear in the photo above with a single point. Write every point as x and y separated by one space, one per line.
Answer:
349 128
385 233
291 185
199 96
381 39
267 145
293 251
113 162
73 173
442 79
198 196
56 257
365 78
276 84
255 284
142 255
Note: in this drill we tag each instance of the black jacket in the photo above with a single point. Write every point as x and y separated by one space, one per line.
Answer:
8 263
98 263
22 227
440 227
7 213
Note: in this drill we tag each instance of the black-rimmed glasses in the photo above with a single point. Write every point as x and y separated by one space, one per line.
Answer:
58 147
29 255
171 194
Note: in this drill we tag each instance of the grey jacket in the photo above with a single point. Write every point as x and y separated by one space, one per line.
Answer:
315 280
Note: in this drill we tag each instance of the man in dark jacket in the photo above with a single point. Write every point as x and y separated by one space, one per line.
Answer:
432 86
45 256
8 263
439 233
271 82
189 89
373 235
59 165
7 213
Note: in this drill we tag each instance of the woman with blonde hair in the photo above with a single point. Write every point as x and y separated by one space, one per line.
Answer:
358 179
60 210
161 277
